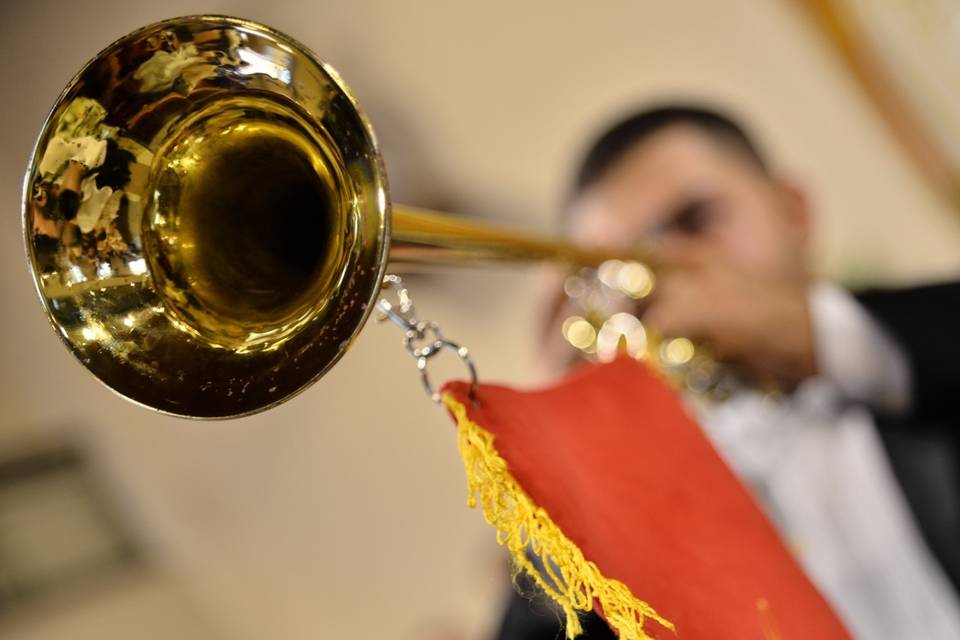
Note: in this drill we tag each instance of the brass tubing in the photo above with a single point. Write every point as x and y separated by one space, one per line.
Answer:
420 237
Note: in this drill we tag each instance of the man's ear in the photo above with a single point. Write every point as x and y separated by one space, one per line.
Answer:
797 208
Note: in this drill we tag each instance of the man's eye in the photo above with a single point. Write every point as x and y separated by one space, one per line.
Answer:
693 219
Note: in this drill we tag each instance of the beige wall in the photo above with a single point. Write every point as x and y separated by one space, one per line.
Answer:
341 513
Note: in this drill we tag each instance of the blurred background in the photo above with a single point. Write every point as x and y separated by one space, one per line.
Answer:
341 514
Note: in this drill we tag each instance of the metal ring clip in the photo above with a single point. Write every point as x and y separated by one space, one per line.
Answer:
422 339
464 355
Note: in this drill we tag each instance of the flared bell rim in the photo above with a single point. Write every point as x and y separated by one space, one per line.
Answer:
369 254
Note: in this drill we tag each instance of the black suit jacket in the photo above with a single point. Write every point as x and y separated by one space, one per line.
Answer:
923 446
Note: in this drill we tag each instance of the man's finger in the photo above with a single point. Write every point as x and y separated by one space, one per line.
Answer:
677 307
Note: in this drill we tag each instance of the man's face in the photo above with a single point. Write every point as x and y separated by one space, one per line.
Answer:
681 188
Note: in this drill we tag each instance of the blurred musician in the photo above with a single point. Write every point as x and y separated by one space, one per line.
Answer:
857 462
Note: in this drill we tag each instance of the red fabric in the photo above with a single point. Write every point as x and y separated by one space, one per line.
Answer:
614 458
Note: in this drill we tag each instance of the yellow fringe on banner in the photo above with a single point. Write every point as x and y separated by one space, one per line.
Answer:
574 582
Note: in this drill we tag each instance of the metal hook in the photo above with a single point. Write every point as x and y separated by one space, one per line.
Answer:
402 313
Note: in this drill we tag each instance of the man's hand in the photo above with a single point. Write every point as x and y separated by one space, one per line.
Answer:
759 322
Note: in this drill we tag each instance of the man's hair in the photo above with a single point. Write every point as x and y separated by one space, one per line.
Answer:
613 144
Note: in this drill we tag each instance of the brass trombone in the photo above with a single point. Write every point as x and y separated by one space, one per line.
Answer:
207 217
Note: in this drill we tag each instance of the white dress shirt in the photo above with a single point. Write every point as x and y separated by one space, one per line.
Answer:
815 462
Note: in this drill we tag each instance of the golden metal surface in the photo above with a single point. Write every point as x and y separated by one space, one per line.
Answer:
422 237
604 321
207 218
